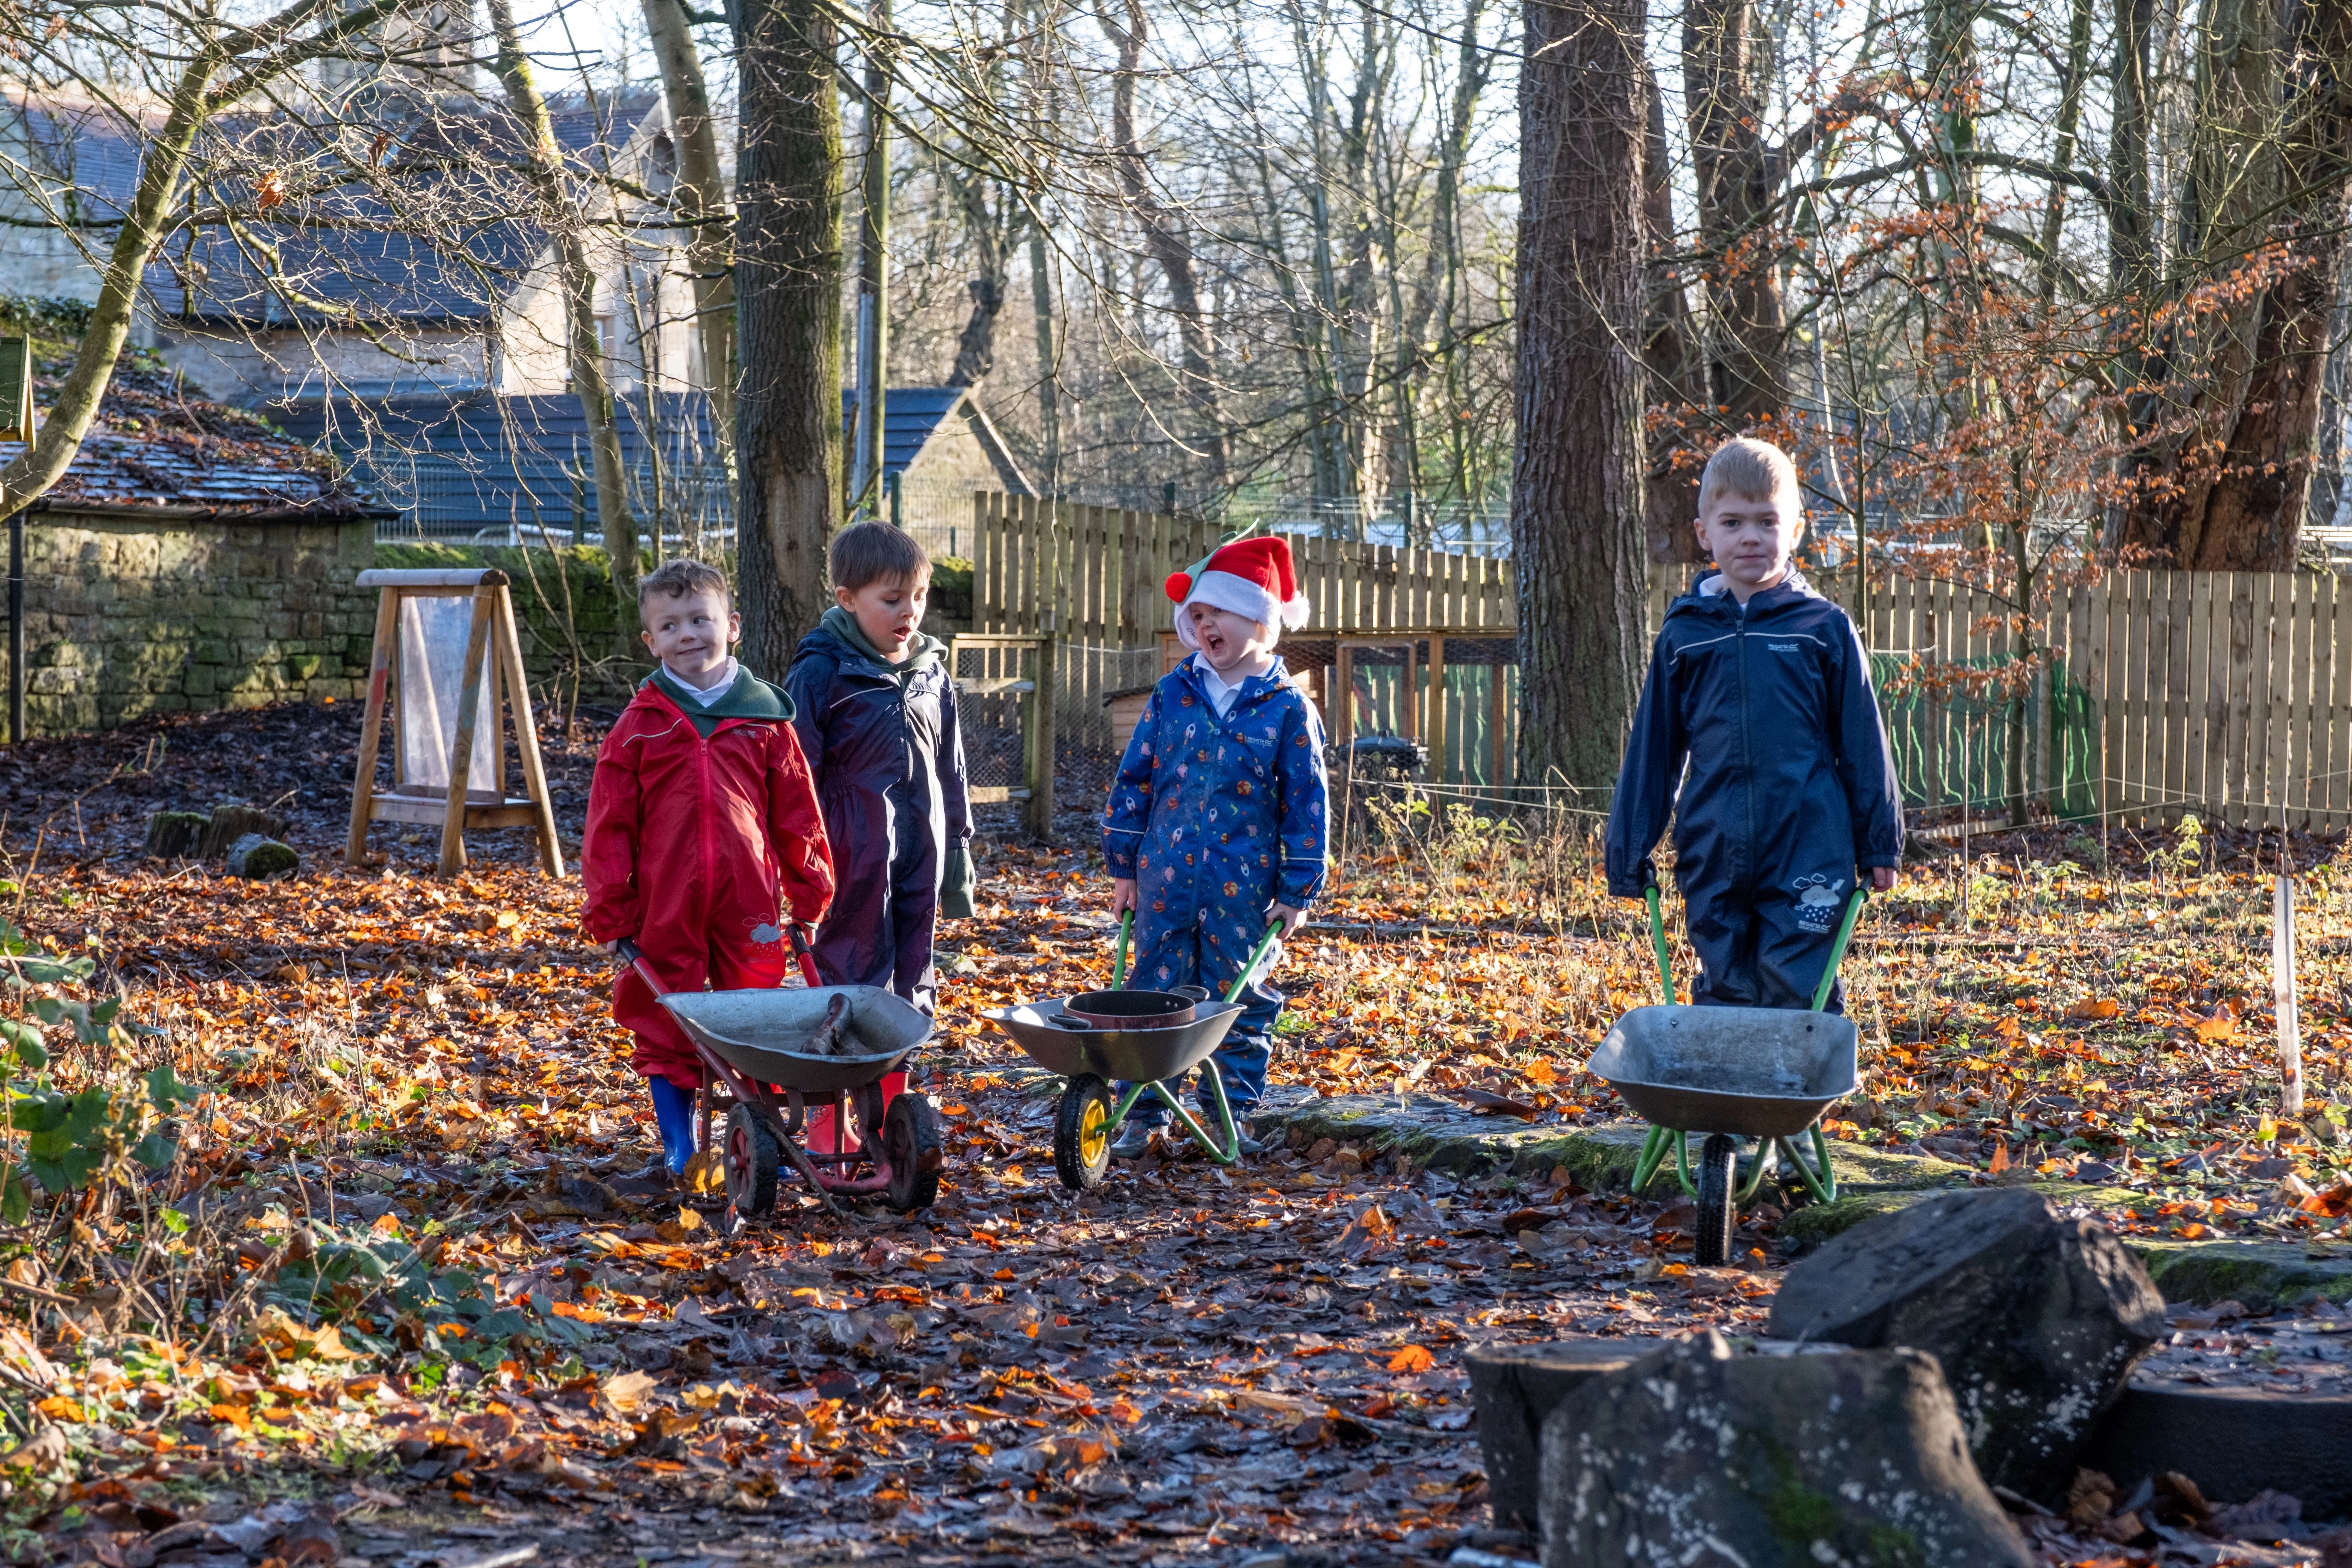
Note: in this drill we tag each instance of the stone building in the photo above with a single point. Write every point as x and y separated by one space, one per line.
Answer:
938 448
172 571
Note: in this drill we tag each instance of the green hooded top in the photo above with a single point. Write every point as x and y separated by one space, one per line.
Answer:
749 697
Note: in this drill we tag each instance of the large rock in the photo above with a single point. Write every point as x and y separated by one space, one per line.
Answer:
2035 1318
1703 1453
263 859
1513 1388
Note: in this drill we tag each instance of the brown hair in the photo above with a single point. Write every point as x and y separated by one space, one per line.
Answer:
874 552
1753 470
679 578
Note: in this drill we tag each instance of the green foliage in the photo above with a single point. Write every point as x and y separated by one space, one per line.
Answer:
73 1140
52 322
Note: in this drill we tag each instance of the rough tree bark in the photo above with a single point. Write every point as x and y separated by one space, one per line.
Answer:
1165 237
1576 536
788 271
576 280
2226 487
700 204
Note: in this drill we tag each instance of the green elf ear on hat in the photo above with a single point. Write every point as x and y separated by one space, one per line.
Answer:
1252 577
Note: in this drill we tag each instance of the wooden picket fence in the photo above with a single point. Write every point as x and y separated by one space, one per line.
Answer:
2228 694
1097 575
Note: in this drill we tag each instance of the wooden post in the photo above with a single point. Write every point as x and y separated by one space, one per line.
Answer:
1497 676
461 749
1037 812
387 635
2282 1000
1344 735
1436 725
534 770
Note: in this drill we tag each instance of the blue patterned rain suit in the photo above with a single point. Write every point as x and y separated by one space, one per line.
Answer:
1216 820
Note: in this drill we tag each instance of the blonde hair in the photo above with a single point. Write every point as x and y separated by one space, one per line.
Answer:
1753 470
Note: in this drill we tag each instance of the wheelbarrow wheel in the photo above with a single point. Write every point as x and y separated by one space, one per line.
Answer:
910 1137
1082 1133
1719 1162
752 1159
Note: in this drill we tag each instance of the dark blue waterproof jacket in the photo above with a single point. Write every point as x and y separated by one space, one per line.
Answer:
872 731
1758 734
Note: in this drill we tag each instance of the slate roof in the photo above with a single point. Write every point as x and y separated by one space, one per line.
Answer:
458 250
468 461
210 476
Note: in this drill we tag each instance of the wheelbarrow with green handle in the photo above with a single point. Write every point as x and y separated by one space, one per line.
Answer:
1150 1040
1729 1073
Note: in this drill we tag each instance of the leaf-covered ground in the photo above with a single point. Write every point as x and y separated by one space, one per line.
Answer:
398 1300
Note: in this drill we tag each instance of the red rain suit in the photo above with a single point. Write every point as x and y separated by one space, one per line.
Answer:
691 839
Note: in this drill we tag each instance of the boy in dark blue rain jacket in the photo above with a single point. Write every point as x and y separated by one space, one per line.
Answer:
1757 730
1216 822
876 713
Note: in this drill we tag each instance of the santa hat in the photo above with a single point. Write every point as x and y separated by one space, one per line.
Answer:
1252 577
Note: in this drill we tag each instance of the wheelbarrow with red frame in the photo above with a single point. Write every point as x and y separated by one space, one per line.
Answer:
846 1122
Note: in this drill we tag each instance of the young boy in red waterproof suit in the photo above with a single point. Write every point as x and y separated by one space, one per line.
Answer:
702 822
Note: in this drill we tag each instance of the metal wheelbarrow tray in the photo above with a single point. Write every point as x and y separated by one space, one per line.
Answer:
755 1033
1139 1055
1754 1072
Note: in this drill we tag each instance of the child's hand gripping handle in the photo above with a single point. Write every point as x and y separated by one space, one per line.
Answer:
801 951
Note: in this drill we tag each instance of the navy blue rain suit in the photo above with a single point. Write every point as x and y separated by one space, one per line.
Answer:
883 745
1761 734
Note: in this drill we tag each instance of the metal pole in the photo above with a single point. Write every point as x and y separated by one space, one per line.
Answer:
16 628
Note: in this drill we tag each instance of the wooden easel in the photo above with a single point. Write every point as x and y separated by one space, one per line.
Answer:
453 805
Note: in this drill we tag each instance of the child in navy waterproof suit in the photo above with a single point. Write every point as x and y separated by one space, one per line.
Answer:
1216 821
876 712
1758 728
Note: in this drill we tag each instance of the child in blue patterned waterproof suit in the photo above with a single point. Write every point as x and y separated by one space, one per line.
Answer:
1215 827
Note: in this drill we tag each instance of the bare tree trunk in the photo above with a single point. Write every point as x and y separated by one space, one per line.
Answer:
1723 61
1165 237
700 202
976 344
873 319
576 281
31 473
1669 355
1049 362
1576 504
788 200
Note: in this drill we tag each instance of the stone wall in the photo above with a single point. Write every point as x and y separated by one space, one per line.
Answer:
127 615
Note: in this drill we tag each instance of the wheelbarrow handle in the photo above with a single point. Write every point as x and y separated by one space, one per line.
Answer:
801 951
1658 943
1119 955
633 956
1837 948
1258 955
